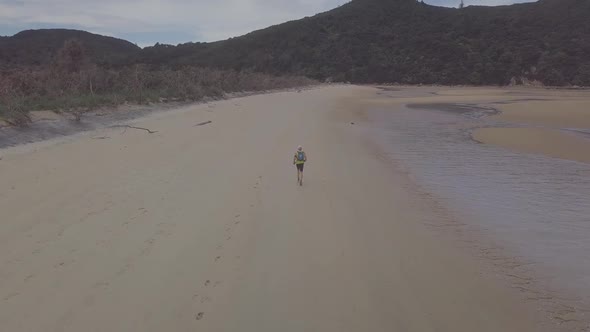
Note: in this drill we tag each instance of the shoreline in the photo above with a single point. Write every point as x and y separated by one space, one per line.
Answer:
176 224
562 309
541 132
52 125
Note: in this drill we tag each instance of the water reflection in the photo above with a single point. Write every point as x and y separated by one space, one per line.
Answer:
537 206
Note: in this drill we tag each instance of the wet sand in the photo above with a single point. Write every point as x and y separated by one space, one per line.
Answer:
204 228
519 200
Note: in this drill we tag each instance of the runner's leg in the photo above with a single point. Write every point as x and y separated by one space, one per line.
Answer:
301 171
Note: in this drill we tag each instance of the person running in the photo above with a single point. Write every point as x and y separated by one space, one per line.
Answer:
299 160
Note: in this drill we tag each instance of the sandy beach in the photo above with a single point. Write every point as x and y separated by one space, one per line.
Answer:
549 142
559 127
201 226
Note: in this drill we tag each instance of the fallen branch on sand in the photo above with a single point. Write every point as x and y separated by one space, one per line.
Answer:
203 123
132 127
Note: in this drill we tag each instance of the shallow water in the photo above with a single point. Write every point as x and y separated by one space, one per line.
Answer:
536 207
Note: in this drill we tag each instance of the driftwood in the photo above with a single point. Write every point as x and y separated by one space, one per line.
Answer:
132 127
203 123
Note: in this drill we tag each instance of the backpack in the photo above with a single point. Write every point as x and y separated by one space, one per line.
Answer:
301 156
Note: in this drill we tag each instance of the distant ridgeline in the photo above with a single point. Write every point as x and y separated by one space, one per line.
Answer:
377 41
40 47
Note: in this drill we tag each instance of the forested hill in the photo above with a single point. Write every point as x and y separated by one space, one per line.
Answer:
39 47
371 41
410 42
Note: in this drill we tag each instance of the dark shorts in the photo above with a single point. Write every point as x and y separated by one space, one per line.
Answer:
300 167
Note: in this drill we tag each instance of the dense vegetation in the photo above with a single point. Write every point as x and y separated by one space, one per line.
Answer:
363 41
74 83
406 41
397 41
40 47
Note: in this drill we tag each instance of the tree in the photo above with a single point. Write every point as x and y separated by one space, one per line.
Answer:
72 57
11 105
583 76
462 5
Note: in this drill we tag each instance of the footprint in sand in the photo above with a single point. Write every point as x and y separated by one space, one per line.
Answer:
207 283
217 258
89 301
199 316
101 284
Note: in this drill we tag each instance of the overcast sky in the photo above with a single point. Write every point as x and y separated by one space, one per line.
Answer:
146 22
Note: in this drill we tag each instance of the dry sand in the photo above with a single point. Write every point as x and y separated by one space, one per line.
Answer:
557 128
548 121
204 228
550 142
564 113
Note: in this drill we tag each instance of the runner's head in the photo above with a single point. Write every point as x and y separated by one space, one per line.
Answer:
300 148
